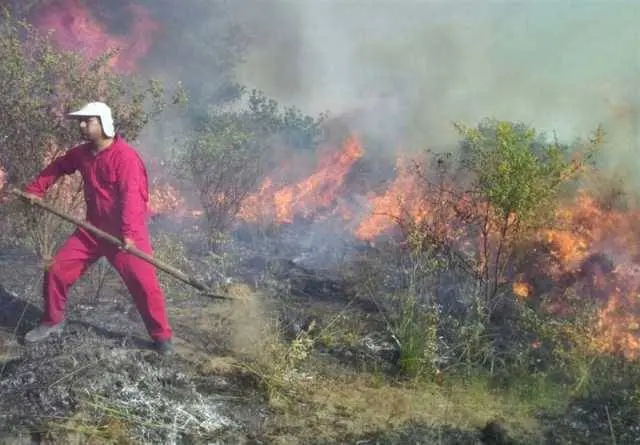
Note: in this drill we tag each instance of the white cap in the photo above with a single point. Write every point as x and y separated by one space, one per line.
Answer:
100 110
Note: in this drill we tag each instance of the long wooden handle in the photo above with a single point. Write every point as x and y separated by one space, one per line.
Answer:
133 250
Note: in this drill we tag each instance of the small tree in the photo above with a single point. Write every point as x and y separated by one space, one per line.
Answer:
226 156
516 179
483 205
39 84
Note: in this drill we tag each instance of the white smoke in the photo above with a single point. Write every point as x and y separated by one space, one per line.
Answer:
416 66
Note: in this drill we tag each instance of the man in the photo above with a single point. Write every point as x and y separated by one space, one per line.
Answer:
116 195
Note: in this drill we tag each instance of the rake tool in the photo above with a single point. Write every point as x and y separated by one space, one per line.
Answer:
191 281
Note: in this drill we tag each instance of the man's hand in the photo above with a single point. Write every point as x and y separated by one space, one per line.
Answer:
128 243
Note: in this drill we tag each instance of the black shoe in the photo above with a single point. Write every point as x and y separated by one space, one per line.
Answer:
163 347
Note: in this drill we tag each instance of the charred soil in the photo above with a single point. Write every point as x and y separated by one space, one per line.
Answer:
304 357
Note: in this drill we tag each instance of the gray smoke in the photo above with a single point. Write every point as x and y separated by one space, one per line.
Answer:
409 68
403 70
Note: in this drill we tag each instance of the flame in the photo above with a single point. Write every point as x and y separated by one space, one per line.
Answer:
308 197
618 328
521 289
164 198
75 29
586 229
402 198
585 232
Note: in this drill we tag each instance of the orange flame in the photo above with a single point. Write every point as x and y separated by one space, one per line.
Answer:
164 198
521 289
586 229
74 29
618 328
308 197
402 198
582 231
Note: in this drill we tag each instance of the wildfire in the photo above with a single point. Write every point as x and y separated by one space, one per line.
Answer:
164 198
617 327
75 29
307 198
586 230
583 236
402 198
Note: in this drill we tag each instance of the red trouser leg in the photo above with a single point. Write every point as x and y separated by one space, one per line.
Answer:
69 263
142 282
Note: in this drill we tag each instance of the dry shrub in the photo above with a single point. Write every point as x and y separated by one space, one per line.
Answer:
257 341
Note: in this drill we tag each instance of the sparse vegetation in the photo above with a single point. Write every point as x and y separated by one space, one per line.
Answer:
231 150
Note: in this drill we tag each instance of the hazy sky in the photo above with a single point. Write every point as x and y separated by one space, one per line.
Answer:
415 66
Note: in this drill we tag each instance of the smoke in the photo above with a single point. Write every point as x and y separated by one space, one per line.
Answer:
410 68
403 70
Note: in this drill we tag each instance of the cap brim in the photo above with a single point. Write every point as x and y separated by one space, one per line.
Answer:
81 114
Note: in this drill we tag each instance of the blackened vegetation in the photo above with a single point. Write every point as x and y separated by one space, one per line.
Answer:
102 363
101 370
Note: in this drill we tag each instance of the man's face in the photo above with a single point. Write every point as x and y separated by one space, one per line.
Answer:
90 128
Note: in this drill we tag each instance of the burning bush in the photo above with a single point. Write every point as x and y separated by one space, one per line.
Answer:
516 181
225 158
38 85
477 211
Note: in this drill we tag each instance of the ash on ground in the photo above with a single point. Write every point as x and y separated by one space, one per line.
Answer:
96 376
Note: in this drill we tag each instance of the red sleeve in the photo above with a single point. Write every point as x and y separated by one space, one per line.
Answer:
62 165
132 186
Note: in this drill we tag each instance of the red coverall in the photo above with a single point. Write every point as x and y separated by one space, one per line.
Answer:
116 194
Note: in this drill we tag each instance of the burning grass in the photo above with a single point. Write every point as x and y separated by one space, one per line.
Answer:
323 382
511 350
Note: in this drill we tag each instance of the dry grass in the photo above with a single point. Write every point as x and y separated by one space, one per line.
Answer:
81 430
248 318
315 406
330 409
257 343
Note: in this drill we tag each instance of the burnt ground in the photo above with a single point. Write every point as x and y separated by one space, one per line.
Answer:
103 368
101 383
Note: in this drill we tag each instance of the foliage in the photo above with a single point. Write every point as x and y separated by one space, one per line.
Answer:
482 208
415 328
517 177
398 280
39 84
228 152
275 364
